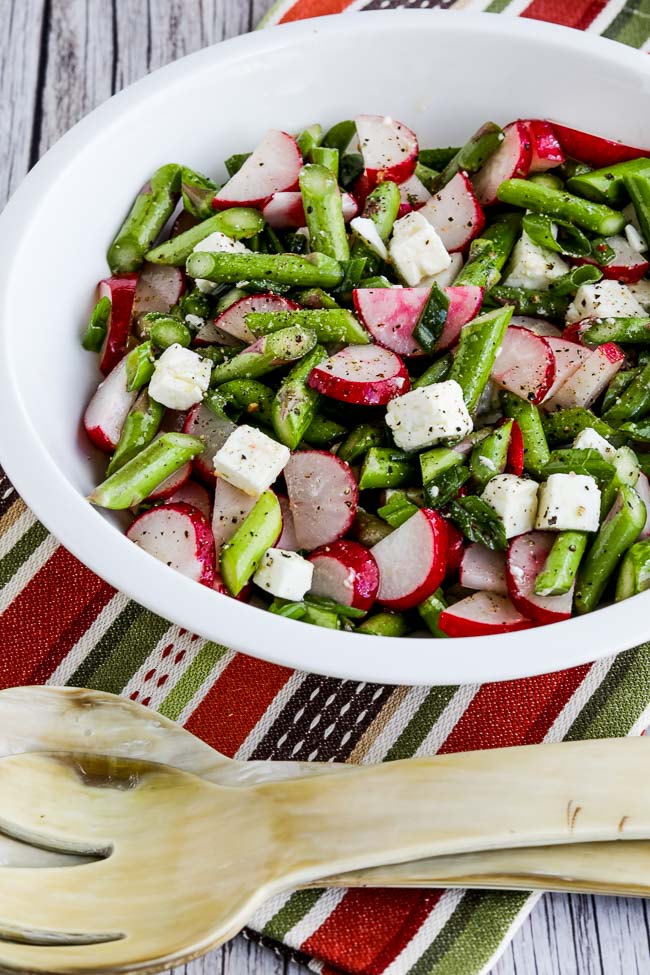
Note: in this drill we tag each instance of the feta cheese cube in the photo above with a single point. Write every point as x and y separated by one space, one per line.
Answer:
428 414
367 231
635 238
416 249
194 321
250 461
180 378
589 439
641 291
515 501
217 243
284 574
533 267
569 502
605 299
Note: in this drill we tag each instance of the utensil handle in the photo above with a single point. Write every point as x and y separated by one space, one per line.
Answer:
498 799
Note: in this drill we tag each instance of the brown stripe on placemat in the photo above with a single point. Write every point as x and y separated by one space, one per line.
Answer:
390 704
7 494
12 513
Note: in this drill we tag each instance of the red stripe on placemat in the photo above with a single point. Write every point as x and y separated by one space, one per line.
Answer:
369 928
41 614
514 712
313 8
235 703
71 635
571 13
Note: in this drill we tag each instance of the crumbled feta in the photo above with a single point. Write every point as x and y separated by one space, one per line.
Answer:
605 299
515 501
416 249
533 267
635 238
366 229
428 414
250 461
194 321
569 502
217 243
448 276
284 574
641 291
180 378
589 439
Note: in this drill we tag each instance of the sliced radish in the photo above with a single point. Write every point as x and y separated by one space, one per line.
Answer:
178 535
287 539
209 334
412 560
323 497
627 265
159 288
516 451
588 381
593 149
230 508
455 548
284 211
525 365
391 314
167 488
120 291
365 375
568 358
540 326
184 221
482 614
232 321
642 488
389 148
413 194
525 560
484 569
512 159
345 572
273 167
108 409
195 494
455 213
546 149
213 430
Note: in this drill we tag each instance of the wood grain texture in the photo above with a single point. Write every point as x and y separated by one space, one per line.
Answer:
58 60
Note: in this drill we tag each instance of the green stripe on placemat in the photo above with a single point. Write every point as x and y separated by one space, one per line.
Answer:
22 550
293 911
616 706
194 677
421 723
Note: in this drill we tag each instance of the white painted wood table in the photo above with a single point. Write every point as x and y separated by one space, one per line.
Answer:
58 60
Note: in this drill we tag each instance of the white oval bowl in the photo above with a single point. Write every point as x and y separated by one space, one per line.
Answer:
441 73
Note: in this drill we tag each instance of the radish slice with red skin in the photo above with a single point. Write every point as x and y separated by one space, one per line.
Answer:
366 375
413 194
573 332
120 291
178 535
209 334
525 365
546 149
455 213
273 167
345 572
171 484
568 358
213 430
159 288
233 319
108 409
230 508
412 560
516 454
285 211
323 496
511 160
593 149
389 148
483 569
642 488
455 547
391 314
540 326
590 379
287 539
482 614
525 560
627 265
195 494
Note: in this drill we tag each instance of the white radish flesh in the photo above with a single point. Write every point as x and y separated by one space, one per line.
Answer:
361 374
412 560
229 510
347 573
540 326
108 409
511 160
178 535
455 213
213 430
273 167
525 365
285 211
287 539
588 381
159 288
195 494
233 319
484 569
389 148
568 358
323 497
526 558
482 614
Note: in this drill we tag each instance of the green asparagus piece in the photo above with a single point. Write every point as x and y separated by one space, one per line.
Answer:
437 461
478 522
152 208
617 387
473 154
562 564
431 323
368 529
427 176
340 135
639 432
98 325
634 574
195 302
360 440
565 425
323 432
446 486
397 509
489 457
235 162
489 252
140 427
546 304
198 192
430 611
617 533
327 157
596 217
137 479
385 467
384 624
139 366
309 139
247 396
268 353
556 235
626 474
329 324
295 403
477 351
622 330
321 199
169 331
552 180
569 283
382 206
241 556
239 223
536 452
608 185
437 372
314 270
316 298
638 186
350 168
634 402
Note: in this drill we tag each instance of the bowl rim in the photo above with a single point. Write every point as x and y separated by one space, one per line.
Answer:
108 553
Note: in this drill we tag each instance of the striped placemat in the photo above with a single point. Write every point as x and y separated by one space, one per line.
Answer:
61 624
